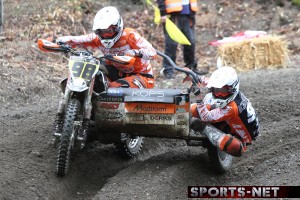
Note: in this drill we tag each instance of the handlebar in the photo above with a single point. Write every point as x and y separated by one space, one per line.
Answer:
193 75
87 53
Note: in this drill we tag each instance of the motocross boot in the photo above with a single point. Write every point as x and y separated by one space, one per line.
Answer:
224 142
213 134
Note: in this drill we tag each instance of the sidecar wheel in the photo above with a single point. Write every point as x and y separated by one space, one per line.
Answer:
220 160
130 146
66 144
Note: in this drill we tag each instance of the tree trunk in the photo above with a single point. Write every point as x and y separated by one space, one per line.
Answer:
1 15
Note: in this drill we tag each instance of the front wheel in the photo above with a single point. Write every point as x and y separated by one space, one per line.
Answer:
220 160
129 146
68 135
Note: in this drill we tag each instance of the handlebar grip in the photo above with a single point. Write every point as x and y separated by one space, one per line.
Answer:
61 43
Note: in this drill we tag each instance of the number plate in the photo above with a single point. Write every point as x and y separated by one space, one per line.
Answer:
84 70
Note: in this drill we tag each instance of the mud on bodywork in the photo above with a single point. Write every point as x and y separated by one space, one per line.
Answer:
147 112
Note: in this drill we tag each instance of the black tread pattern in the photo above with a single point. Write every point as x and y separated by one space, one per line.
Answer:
126 152
64 149
219 166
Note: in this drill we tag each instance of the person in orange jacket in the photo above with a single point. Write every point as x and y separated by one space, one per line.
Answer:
182 13
235 122
110 37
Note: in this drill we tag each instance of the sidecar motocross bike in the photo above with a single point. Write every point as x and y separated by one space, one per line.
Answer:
122 116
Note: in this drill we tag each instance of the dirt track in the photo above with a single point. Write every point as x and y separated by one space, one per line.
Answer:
165 168
29 95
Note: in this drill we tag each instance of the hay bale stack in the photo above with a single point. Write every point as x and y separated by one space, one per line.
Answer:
263 52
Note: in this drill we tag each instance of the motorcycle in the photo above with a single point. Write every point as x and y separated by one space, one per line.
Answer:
123 116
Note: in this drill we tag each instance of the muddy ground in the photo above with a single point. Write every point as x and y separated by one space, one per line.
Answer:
165 168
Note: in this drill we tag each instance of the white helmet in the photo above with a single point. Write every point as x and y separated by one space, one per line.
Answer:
224 85
108 26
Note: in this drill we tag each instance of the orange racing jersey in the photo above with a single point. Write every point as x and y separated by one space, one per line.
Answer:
238 114
129 39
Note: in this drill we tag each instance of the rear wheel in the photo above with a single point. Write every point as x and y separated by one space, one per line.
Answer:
220 160
68 136
129 146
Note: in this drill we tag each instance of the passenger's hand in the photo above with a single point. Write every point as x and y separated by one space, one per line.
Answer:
133 53
203 80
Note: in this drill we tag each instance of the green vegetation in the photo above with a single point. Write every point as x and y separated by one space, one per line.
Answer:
296 2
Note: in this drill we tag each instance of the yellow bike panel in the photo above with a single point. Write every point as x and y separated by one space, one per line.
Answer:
84 70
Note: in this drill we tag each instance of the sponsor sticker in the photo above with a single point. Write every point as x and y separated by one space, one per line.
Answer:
110 115
115 92
108 105
149 108
180 123
181 110
149 119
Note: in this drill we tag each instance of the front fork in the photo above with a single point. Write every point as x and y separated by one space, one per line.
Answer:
87 113
59 119
85 124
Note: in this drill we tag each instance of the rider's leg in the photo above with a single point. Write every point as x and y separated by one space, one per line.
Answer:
218 138
225 142
133 81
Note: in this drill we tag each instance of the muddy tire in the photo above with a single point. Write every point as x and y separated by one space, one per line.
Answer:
220 160
67 140
129 147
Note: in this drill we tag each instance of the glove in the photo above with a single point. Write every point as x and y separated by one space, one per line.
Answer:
134 53
63 40
203 80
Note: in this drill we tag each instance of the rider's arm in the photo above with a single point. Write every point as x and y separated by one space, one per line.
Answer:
215 115
136 41
89 40
208 113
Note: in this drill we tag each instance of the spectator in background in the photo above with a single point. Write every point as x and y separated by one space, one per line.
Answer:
182 13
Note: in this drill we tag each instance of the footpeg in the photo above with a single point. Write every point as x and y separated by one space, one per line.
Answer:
194 143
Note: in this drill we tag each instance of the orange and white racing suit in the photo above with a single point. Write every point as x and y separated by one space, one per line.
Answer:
140 75
237 118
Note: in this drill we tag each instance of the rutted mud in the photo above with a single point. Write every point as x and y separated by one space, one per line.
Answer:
30 93
166 167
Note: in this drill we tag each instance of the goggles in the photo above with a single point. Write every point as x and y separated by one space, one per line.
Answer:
221 92
108 33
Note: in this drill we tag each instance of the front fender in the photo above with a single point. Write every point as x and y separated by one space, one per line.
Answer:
63 85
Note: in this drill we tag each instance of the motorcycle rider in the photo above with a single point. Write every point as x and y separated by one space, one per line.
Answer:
111 38
235 123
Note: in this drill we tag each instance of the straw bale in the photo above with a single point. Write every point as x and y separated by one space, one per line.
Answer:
264 52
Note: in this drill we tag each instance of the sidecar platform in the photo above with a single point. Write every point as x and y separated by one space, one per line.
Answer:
145 112
139 95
